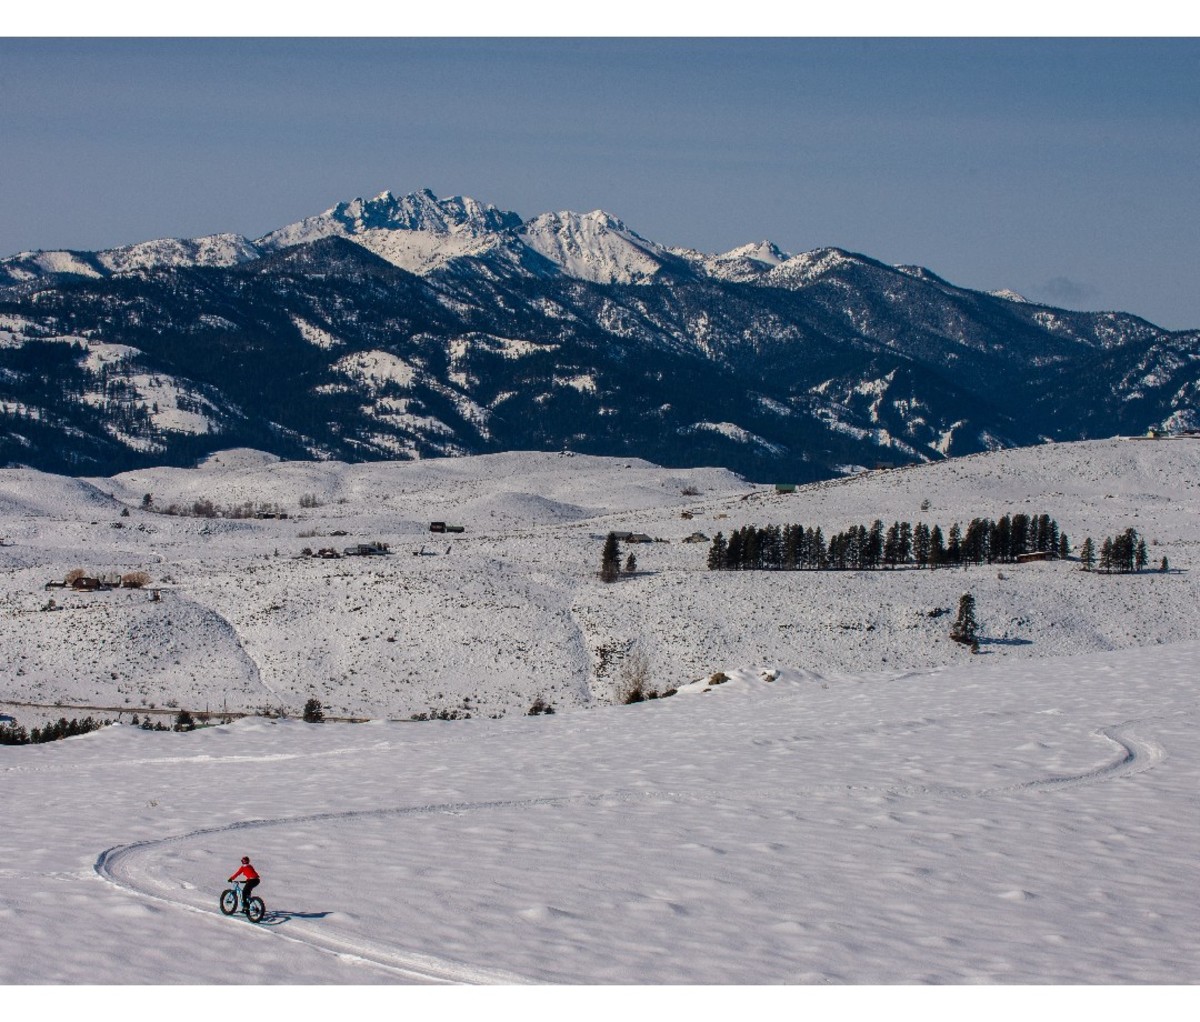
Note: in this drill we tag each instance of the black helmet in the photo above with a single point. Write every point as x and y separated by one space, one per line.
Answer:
246 859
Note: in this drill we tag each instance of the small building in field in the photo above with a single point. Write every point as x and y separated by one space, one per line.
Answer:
1035 555
696 537
375 549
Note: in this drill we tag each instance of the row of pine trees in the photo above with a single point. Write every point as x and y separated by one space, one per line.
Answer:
794 547
1121 554
15 734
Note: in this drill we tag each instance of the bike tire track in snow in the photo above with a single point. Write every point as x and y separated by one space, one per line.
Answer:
119 865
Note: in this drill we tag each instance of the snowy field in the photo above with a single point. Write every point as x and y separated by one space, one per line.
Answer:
862 802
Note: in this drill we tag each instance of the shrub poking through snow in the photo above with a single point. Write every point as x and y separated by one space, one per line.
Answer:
314 712
633 683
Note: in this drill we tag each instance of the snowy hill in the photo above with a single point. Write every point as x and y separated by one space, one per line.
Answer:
837 793
488 620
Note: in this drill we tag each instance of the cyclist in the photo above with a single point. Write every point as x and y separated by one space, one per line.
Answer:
252 881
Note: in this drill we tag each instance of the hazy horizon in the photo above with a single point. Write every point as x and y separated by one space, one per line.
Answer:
1062 169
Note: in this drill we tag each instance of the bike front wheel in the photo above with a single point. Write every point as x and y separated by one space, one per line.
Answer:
229 902
255 909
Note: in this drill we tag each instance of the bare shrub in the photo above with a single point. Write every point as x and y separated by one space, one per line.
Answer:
633 681
135 580
74 575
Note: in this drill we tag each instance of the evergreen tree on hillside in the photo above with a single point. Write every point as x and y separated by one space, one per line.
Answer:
954 544
610 559
921 544
937 547
716 553
1087 554
965 628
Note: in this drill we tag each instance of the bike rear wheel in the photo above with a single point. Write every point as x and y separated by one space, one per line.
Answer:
229 902
255 909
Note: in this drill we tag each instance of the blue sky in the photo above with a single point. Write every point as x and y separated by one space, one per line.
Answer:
1065 169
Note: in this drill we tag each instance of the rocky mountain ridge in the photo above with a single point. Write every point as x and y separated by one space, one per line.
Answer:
413 326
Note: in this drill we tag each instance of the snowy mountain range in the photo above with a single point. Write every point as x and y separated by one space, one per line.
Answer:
414 326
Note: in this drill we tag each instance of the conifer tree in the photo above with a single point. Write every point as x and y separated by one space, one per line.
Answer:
921 544
937 547
716 553
1087 554
965 628
954 544
610 559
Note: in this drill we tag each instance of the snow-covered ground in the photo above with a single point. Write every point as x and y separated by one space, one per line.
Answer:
862 802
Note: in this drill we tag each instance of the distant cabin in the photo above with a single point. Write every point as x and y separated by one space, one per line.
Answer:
1036 555
785 487
696 537
366 550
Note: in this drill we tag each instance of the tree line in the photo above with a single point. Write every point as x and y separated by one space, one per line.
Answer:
15 734
795 548
1123 554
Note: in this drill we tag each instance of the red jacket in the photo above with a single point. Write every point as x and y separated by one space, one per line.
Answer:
247 871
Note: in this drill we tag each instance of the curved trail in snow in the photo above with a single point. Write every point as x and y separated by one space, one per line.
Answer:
120 865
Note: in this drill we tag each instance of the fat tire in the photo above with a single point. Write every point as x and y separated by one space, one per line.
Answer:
255 909
229 902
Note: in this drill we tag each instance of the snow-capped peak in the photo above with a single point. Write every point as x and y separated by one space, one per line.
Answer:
418 211
766 252
595 246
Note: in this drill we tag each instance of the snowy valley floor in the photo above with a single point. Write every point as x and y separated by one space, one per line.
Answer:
1028 823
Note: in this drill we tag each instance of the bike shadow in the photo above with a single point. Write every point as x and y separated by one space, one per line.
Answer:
278 916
